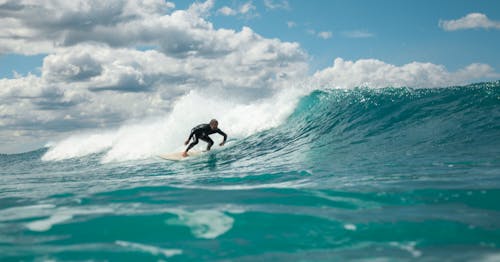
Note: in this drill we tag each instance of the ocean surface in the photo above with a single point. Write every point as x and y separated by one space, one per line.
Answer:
391 174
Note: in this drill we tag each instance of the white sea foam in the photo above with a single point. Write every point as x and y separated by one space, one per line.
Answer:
287 184
149 249
46 224
61 215
494 257
164 134
410 247
204 223
350 227
23 212
80 145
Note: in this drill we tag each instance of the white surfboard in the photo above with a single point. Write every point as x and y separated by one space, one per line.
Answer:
177 156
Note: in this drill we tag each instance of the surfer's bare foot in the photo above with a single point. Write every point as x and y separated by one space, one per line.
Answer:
184 154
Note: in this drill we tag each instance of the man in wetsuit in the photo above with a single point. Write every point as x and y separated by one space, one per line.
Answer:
201 132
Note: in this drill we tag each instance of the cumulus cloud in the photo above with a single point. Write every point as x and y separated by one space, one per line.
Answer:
43 26
247 10
377 74
80 67
470 21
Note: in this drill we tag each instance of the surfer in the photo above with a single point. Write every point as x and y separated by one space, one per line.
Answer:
201 132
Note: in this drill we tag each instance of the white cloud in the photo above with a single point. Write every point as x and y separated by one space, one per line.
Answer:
470 21
44 26
325 35
357 34
273 4
291 24
377 74
201 9
227 11
247 9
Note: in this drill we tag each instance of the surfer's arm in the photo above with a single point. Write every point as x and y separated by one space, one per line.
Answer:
222 134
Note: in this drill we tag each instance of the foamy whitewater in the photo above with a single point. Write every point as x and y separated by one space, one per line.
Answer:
156 136
308 174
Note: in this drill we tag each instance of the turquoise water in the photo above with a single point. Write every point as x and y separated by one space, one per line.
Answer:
364 174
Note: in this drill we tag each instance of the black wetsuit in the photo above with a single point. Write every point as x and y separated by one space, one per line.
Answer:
201 132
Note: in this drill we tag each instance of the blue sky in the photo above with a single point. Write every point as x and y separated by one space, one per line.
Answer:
397 32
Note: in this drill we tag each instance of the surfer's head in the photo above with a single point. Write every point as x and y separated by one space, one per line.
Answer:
214 124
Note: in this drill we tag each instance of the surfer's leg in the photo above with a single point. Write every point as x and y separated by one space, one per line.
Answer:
195 142
208 140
